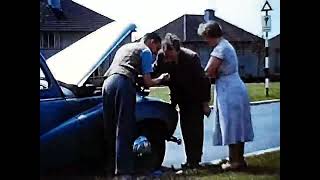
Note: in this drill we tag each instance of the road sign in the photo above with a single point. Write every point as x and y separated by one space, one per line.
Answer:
266 23
266 7
266 27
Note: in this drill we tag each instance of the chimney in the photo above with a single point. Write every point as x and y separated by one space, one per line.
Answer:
208 15
55 4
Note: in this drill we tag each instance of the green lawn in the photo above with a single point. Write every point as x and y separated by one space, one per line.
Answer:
256 92
262 167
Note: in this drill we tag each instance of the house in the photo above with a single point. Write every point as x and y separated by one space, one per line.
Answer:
249 47
274 56
63 22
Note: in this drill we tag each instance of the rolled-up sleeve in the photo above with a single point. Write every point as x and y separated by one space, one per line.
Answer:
157 66
146 61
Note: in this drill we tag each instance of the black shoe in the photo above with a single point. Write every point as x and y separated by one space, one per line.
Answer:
190 166
109 172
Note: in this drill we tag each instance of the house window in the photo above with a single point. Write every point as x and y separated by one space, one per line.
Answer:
237 47
277 60
241 69
49 40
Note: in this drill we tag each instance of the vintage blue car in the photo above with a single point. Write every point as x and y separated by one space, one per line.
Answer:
71 124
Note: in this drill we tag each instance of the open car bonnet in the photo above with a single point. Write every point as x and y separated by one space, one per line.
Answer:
74 64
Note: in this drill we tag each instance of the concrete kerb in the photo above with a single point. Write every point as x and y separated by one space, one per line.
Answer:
263 102
255 153
257 102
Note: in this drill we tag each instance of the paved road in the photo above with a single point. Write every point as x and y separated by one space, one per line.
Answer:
266 122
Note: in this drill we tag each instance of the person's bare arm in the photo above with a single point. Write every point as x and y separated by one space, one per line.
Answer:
149 82
213 67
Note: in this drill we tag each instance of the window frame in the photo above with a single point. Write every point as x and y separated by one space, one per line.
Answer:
45 40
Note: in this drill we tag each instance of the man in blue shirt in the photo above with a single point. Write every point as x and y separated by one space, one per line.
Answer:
119 99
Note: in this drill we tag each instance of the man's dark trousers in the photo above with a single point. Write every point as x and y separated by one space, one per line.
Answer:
119 100
191 123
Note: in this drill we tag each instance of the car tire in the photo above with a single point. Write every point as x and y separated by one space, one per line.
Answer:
155 131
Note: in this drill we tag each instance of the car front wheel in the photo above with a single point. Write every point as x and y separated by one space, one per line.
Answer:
155 132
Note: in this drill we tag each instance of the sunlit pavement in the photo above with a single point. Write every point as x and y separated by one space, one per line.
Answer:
266 123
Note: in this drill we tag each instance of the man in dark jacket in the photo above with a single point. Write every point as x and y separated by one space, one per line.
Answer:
189 89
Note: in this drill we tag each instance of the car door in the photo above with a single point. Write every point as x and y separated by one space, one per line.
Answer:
60 128
53 105
68 132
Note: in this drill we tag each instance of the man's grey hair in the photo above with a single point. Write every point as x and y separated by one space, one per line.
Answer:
171 41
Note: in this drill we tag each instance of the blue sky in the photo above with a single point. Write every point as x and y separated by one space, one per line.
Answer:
150 15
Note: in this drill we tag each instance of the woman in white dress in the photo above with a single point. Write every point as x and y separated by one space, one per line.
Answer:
233 126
